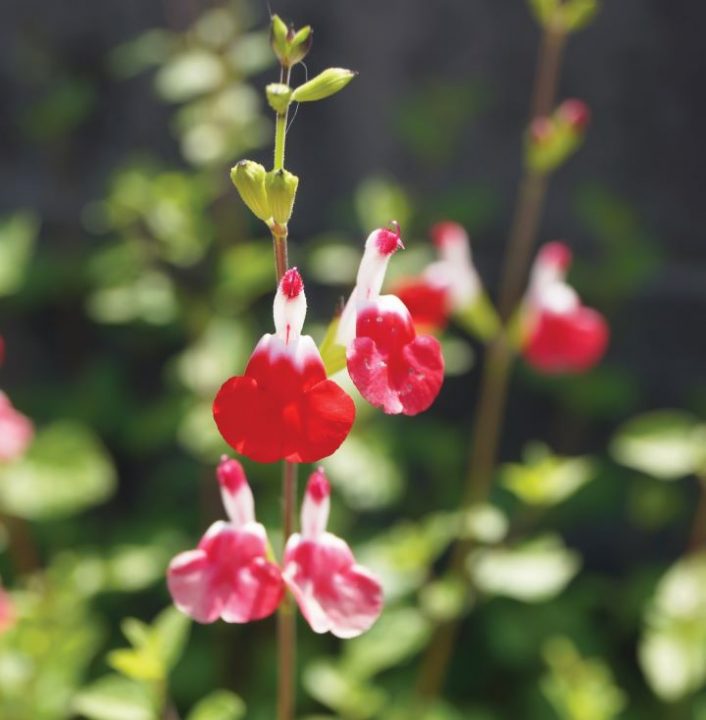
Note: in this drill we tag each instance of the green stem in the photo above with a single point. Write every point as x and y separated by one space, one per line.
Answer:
490 408
697 538
281 127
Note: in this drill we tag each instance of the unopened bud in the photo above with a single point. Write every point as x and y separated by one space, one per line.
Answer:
576 14
289 45
325 84
249 180
541 130
575 113
544 10
279 96
281 188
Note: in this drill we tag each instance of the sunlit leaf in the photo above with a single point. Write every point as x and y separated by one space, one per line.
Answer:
18 233
546 479
115 698
65 471
191 73
532 572
667 444
219 705
379 201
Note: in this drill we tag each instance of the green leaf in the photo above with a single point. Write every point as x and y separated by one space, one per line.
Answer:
18 233
139 664
332 354
219 705
667 444
191 73
114 698
65 471
672 651
378 201
534 571
546 479
170 632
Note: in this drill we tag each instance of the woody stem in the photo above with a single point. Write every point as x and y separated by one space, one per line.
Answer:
286 616
490 408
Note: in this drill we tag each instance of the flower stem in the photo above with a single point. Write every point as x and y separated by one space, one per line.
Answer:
490 408
697 538
286 618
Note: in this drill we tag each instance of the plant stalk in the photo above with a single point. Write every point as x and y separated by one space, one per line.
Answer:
490 408
697 538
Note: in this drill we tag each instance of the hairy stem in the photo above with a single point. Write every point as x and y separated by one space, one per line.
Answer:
490 408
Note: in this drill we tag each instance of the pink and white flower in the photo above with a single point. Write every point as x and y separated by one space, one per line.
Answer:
393 368
229 574
334 593
283 407
16 431
561 335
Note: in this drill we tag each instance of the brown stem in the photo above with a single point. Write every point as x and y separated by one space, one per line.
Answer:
286 617
697 538
490 409
21 547
279 246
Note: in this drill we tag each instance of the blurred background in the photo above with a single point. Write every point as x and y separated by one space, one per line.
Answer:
133 282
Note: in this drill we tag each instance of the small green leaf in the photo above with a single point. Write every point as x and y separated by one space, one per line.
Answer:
114 698
18 233
534 571
170 632
137 664
667 444
332 354
65 471
219 705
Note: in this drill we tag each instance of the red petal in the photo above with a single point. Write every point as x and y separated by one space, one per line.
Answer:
572 342
428 304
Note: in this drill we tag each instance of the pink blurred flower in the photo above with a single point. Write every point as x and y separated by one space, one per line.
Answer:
16 431
7 611
228 575
393 368
334 593
561 334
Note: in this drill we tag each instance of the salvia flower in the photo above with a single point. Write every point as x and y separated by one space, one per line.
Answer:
16 431
561 335
449 285
334 593
7 611
283 407
393 368
228 575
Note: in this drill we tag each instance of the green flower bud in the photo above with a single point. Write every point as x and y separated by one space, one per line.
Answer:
325 84
544 10
576 14
281 188
249 180
279 96
289 45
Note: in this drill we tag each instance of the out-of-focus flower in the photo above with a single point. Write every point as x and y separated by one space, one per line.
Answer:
448 286
16 431
560 334
334 593
393 368
283 407
7 611
228 575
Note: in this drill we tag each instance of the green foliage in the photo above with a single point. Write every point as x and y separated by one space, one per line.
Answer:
532 571
672 649
667 444
546 479
115 698
378 201
219 705
579 688
65 471
18 233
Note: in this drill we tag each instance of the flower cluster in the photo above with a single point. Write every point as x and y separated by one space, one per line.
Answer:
231 574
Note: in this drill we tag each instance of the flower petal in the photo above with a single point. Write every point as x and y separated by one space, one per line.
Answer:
333 592
16 431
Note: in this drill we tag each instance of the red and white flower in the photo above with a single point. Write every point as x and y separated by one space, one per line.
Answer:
449 285
283 407
228 575
393 368
561 335
334 593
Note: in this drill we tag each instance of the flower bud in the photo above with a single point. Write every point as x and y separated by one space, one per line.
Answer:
576 14
249 180
325 84
289 45
279 96
281 188
575 113
544 10
552 140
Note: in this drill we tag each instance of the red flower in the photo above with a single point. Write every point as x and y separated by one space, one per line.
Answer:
451 284
334 593
562 335
7 611
392 367
283 407
16 431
